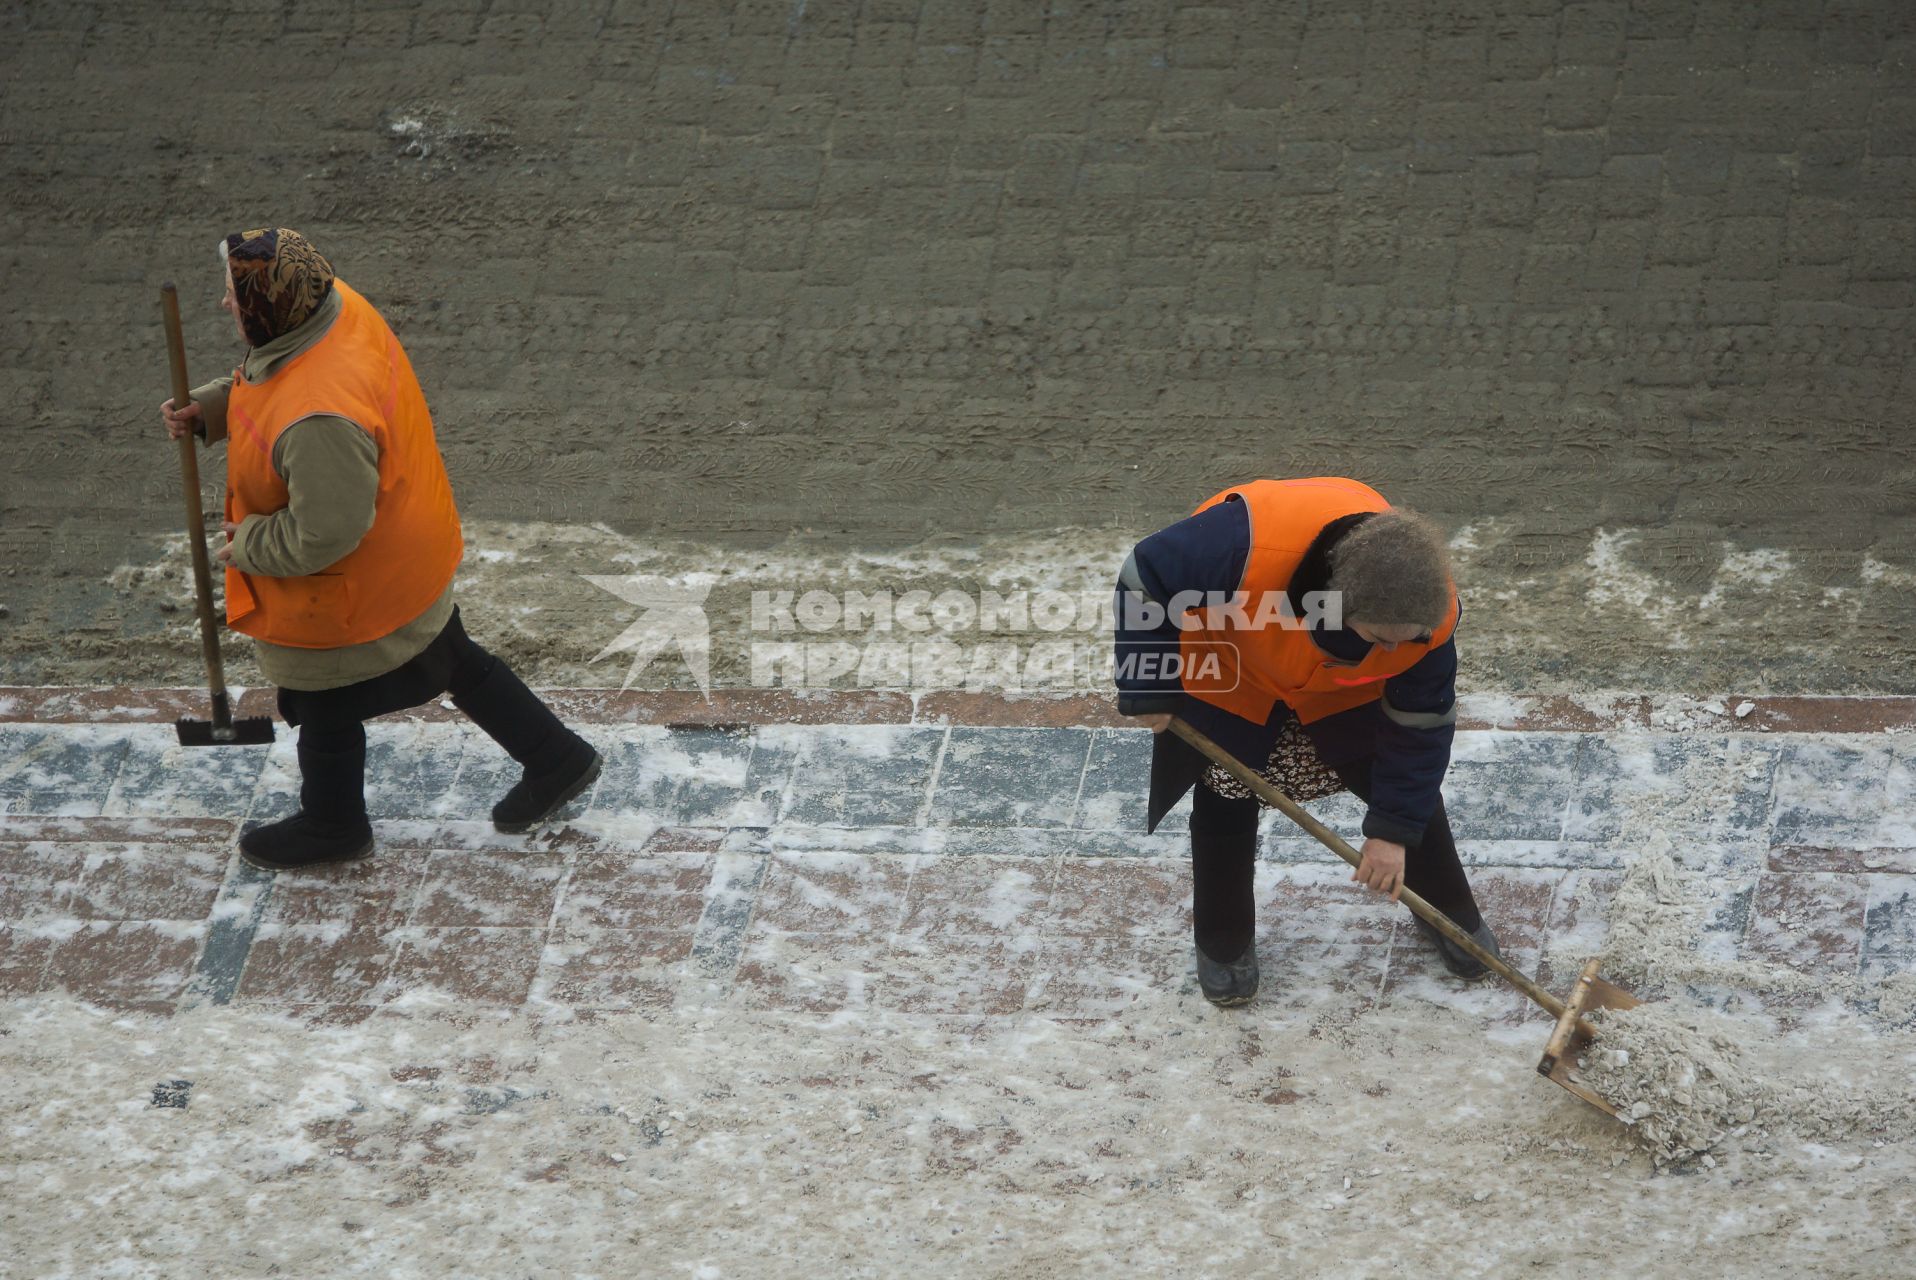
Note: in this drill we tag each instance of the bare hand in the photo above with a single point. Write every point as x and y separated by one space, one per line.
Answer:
1156 722
1380 866
225 554
179 423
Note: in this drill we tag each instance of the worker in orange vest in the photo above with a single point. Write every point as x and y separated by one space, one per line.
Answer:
343 539
1306 626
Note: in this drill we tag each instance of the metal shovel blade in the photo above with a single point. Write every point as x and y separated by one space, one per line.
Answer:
1572 1034
252 731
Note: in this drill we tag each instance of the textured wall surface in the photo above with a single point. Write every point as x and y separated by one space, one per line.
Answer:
884 270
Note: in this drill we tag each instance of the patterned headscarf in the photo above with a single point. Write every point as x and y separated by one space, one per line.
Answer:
279 280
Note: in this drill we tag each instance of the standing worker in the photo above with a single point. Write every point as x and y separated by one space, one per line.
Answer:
1307 627
343 541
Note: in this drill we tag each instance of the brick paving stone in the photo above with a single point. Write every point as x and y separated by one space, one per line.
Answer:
488 889
611 968
1117 780
1320 904
689 777
379 892
1010 777
1510 787
644 892
37 881
979 897
146 882
1828 794
1076 976
1889 925
1302 976
440 962
1810 921
317 963
24 952
126 961
1712 788
1121 898
956 975
809 973
863 778
44 771
163 779
825 893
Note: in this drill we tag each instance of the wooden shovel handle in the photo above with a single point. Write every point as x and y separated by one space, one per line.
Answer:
1262 789
195 514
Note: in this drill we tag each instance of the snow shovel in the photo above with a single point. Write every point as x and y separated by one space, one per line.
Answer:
222 730
1572 1032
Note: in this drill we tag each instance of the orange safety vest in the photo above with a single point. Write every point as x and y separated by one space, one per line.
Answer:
359 372
1248 670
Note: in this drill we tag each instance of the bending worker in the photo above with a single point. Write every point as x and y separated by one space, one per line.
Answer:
1307 627
343 541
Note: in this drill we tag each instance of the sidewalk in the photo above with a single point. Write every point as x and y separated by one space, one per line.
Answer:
983 870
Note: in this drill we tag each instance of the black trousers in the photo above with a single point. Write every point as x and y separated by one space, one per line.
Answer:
1224 865
332 729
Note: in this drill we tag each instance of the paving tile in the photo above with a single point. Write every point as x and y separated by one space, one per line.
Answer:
687 777
1117 781
1810 921
379 891
1417 973
1889 925
862 776
1321 904
611 968
1896 827
719 939
1296 975
1579 921
1010 777
410 769
833 893
488 889
661 892
440 961
1516 902
1796 857
1829 795
1122 898
978 896
140 960
1700 788
313 963
38 880
956 975
59 772
809 973
111 830
1076 976
1510 786
162 778
148 882
23 959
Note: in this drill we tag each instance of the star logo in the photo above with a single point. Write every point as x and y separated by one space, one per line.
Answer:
671 613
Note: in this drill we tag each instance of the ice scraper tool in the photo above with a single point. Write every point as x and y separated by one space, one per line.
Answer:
222 730
1591 992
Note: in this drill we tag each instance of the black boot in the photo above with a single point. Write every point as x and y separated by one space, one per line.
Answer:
1228 984
1455 958
331 823
559 764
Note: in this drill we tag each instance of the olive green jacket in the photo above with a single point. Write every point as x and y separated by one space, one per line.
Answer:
331 469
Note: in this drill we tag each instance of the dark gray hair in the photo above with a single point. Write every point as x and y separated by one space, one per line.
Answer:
1393 569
